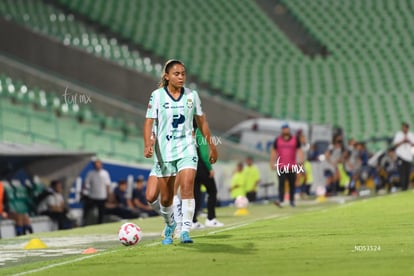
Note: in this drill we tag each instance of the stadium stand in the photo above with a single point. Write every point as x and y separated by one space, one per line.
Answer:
371 61
349 88
53 22
30 115
240 52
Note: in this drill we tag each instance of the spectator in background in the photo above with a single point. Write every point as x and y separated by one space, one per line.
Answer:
18 213
313 153
119 204
351 144
365 170
387 170
301 181
354 156
335 151
308 179
284 156
343 170
23 224
353 166
4 203
333 156
53 206
403 143
238 182
251 178
96 191
305 146
139 200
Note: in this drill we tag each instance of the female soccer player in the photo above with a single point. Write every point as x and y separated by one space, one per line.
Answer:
152 192
173 107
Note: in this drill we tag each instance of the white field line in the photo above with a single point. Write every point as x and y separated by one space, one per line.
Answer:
73 260
61 263
235 226
239 225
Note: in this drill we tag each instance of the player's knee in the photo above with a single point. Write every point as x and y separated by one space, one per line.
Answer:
166 202
151 197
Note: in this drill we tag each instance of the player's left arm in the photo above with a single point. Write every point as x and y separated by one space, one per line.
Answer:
205 130
148 138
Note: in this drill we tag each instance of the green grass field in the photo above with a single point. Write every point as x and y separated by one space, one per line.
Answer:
365 237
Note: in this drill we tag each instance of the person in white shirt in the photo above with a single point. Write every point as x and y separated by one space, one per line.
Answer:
53 206
403 143
96 191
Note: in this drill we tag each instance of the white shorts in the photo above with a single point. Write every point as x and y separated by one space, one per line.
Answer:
171 168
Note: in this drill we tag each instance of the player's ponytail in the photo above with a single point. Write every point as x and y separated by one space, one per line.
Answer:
167 66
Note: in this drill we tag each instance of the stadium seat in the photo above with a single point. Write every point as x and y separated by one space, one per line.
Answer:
34 117
369 47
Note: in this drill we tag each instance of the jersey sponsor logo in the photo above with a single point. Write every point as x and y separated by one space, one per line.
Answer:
172 137
190 103
177 120
167 106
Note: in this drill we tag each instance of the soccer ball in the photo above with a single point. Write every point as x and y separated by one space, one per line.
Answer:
241 202
129 234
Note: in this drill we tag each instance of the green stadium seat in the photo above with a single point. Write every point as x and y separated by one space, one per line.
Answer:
364 58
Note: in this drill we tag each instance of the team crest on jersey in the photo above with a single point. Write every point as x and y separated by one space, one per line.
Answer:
190 103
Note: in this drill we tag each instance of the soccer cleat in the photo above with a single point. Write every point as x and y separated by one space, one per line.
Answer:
168 234
185 237
213 223
167 241
163 231
197 225
292 204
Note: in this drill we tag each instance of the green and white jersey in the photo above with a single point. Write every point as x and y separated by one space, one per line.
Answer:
174 119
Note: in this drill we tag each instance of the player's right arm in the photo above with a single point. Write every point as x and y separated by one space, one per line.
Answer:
148 142
152 113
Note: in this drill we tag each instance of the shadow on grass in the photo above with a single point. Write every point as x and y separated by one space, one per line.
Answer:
203 246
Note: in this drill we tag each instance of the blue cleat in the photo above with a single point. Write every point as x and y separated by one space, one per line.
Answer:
185 237
167 241
168 234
